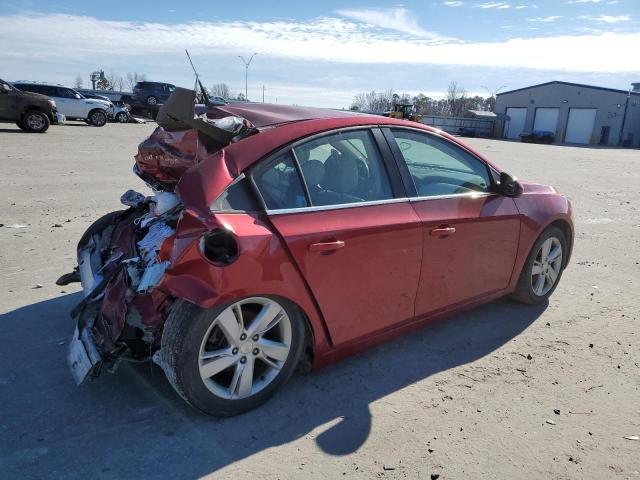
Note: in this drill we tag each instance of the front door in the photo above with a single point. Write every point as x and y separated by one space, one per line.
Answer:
357 244
470 234
69 104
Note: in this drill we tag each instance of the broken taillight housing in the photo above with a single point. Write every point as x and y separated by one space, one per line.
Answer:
219 247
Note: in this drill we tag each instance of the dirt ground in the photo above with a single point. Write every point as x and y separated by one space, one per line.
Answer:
503 391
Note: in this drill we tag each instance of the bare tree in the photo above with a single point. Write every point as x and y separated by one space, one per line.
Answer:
456 99
133 78
221 90
78 82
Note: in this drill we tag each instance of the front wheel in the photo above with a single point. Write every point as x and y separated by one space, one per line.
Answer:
542 271
98 118
230 359
151 100
35 122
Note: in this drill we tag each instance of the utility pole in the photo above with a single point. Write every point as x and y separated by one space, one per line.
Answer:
246 73
263 93
624 117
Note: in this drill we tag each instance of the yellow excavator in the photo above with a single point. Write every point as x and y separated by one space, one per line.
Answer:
404 111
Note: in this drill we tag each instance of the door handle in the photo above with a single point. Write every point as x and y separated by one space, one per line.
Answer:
442 231
326 246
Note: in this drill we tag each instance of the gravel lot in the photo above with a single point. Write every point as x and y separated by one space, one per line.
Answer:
469 398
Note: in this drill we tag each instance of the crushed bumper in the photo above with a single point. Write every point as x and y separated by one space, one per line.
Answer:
118 266
83 357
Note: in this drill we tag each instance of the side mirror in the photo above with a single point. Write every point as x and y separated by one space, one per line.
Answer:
509 186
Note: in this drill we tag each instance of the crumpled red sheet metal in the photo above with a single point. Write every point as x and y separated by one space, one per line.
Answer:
165 155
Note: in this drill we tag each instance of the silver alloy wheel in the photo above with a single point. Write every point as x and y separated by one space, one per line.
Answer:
546 266
35 122
122 117
152 101
245 348
98 118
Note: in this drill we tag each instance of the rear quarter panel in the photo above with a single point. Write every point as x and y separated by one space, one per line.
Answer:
263 267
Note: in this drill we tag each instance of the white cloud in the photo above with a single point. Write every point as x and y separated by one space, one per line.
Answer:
584 1
496 5
456 3
65 39
611 19
399 19
552 18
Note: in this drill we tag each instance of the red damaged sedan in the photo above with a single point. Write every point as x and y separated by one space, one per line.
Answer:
280 237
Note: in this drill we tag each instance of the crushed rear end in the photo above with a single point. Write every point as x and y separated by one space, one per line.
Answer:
125 257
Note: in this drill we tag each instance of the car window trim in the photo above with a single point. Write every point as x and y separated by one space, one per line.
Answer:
404 169
338 206
320 208
390 168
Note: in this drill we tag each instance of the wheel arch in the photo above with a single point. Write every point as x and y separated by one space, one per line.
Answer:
566 228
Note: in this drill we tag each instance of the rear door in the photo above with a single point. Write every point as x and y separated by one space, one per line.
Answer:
338 202
470 234
77 107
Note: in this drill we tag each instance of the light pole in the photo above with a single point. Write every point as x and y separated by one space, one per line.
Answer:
246 73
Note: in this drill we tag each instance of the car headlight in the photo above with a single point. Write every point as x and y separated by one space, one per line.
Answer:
52 103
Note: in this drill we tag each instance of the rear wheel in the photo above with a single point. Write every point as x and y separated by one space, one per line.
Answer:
151 100
122 117
97 118
542 271
230 359
35 121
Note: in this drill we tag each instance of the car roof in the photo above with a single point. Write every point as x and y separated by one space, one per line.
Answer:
241 155
267 114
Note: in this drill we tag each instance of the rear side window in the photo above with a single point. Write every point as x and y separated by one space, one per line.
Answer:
279 183
343 167
238 197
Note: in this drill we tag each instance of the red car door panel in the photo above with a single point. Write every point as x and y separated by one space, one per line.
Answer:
362 264
470 245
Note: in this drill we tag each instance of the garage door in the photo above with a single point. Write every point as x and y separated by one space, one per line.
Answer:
515 125
580 125
546 120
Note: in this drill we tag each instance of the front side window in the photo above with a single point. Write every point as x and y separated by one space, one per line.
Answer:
438 167
344 167
279 183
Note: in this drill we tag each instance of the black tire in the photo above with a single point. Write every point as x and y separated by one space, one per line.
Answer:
151 100
34 121
182 336
97 118
99 225
524 292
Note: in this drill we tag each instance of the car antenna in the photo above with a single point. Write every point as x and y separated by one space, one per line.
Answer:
205 97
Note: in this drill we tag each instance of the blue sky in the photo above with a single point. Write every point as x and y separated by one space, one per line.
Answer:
322 53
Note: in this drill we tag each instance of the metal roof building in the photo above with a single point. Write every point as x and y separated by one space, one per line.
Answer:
574 113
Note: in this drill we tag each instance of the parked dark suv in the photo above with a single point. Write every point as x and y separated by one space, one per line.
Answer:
32 112
152 93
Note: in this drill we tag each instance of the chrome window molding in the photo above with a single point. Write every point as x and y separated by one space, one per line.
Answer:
320 208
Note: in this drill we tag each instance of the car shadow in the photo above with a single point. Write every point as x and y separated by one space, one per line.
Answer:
13 130
130 422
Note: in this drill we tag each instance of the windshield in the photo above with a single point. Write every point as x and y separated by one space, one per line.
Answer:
11 87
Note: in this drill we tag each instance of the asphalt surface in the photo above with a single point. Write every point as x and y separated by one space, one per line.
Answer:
472 397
